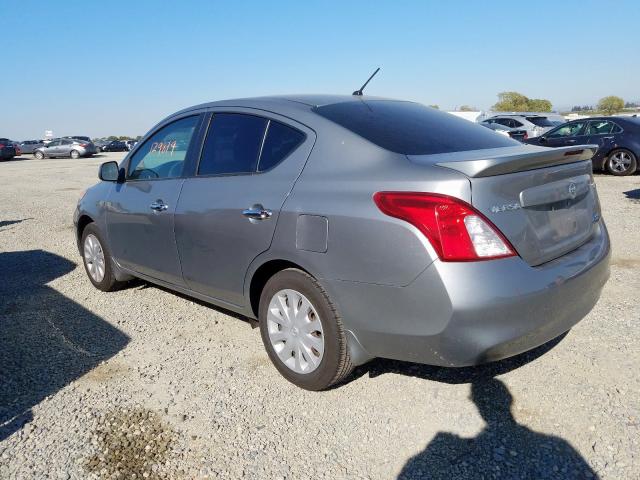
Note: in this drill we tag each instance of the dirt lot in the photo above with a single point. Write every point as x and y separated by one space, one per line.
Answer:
146 382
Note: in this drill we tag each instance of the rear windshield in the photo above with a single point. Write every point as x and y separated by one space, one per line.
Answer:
410 128
541 121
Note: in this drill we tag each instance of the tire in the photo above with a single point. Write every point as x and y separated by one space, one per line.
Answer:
107 281
39 155
327 364
74 154
621 162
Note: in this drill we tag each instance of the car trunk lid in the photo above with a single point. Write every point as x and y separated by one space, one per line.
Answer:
543 200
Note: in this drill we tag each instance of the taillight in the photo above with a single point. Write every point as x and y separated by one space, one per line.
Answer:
525 136
83 145
2 145
456 230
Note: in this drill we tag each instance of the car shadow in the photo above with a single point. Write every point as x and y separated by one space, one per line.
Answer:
503 449
46 339
381 366
7 223
633 195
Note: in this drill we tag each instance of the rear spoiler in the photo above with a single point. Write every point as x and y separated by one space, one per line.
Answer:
486 163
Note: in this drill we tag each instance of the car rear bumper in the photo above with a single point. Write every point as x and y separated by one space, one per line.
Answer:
460 314
7 153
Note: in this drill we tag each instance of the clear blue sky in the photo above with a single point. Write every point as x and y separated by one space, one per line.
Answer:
117 67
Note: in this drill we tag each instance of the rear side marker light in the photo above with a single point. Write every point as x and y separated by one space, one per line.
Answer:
456 230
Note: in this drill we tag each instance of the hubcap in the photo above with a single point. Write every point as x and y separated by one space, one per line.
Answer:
620 161
94 257
295 331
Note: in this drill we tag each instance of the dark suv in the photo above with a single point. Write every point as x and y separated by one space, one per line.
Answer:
7 149
618 140
115 146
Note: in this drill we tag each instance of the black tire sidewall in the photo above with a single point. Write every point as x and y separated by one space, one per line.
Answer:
324 375
632 168
108 281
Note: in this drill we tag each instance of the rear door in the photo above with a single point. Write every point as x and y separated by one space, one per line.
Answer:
65 147
602 132
140 211
229 208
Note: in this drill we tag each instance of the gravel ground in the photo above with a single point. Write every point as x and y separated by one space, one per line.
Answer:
143 383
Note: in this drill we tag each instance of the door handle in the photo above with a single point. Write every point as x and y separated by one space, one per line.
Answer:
257 212
571 141
158 206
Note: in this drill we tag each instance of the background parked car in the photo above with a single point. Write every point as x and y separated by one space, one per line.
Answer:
618 140
534 125
515 133
29 146
66 147
115 146
100 144
7 149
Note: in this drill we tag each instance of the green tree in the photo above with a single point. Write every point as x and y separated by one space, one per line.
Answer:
467 108
516 102
511 102
610 104
539 105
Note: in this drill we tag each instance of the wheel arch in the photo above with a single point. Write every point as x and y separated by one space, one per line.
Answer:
83 221
261 276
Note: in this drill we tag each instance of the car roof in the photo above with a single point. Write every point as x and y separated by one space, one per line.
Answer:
281 103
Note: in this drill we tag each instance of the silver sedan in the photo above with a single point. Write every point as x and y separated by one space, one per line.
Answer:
66 147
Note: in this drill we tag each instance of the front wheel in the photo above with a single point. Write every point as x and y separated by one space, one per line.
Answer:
621 163
39 155
97 260
302 332
75 154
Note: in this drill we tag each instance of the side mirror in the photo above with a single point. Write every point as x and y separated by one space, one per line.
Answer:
109 172
542 139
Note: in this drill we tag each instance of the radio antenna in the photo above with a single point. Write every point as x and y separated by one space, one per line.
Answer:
359 92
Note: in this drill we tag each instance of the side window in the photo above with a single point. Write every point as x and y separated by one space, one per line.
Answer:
54 143
602 127
66 141
567 130
163 155
280 141
516 123
233 144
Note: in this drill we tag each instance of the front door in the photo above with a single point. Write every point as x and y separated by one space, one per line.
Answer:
140 211
572 133
228 210
53 148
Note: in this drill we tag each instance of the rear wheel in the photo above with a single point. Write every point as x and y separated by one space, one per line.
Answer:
302 332
39 155
621 162
75 154
97 260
